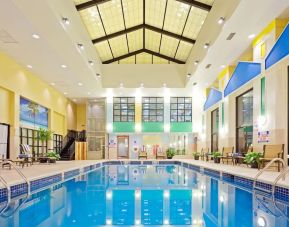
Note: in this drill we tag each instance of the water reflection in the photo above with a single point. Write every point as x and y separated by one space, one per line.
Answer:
146 195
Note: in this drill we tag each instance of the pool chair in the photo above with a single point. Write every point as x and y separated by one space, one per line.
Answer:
25 155
204 154
270 152
161 154
142 154
227 154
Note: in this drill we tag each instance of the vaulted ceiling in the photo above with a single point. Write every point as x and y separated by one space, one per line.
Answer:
143 31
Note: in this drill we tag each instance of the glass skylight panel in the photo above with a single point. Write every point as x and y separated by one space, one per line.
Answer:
169 46
184 51
118 45
91 19
155 10
158 60
135 40
195 22
103 50
77 2
144 58
152 40
133 12
176 16
208 2
129 60
111 14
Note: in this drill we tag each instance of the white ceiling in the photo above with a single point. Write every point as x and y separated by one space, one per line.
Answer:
58 44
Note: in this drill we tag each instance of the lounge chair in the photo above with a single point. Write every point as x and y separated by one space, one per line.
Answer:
227 154
270 152
204 154
142 154
161 154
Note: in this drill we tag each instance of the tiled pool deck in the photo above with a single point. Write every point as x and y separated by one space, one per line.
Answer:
45 175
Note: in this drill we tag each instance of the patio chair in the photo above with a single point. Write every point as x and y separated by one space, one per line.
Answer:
142 154
160 154
204 154
227 154
270 152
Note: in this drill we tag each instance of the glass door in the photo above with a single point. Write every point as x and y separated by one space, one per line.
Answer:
214 129
244 128
122 147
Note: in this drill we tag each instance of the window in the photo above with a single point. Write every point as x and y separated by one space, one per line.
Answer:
181 109
123 109
57 142
152 109
29 137
214 130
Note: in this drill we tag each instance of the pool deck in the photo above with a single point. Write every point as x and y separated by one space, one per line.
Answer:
37 171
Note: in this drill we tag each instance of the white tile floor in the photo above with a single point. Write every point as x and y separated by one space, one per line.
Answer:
41 170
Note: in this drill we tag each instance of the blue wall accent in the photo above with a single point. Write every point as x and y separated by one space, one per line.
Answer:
244 72
213 97
279 50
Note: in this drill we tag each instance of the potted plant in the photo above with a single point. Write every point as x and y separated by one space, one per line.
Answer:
53 156
170 153
196 155
253 159
44 135
216 156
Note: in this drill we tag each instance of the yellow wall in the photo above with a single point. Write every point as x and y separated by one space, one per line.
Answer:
5 100
71 116
81 117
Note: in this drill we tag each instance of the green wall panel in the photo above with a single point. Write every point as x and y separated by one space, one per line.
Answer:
181 126
123 126
152 127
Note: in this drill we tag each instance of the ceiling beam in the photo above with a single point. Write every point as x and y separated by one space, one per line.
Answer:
89 4
143 51
196 4
143 26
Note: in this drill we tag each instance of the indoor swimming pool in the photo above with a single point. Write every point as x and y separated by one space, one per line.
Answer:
153 195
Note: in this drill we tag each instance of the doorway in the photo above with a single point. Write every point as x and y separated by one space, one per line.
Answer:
244 121
122 147
214 130
4 141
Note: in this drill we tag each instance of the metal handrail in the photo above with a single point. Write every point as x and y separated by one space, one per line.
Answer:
266 167
8 193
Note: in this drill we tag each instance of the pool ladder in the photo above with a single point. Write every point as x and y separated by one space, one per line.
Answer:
9 189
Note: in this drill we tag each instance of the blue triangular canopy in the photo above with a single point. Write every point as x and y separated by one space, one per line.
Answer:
244 72
213 97
279 50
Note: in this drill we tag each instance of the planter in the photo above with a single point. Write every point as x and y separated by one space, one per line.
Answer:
43 160
254 165
197 157
170 157
217 160
52 160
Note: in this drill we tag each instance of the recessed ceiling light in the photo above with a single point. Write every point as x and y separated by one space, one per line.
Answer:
189 75
164 85
223 66
52 84
142 85
196 62
251 36
88 93
221 20
35 36
65 20
80 46
64 66
29 66
97 75
195 83
91 63
121 85
206 45
65 93
80 84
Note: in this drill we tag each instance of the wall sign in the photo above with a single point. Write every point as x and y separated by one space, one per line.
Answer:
263 137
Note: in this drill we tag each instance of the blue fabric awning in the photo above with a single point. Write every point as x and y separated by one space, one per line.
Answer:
213 97
244 72
279 50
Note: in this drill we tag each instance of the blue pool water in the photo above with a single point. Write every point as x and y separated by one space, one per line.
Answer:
153 195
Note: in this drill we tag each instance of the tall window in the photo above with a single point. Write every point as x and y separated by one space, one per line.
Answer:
57 142
244 127
181 109
214 130
123 109
29 137
152 109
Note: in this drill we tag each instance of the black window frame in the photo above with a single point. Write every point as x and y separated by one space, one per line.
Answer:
57 142
177 109
150 109
123 101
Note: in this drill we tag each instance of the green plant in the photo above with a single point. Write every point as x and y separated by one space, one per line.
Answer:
216 154
44 135
53 154
170 152
253 157
196 154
